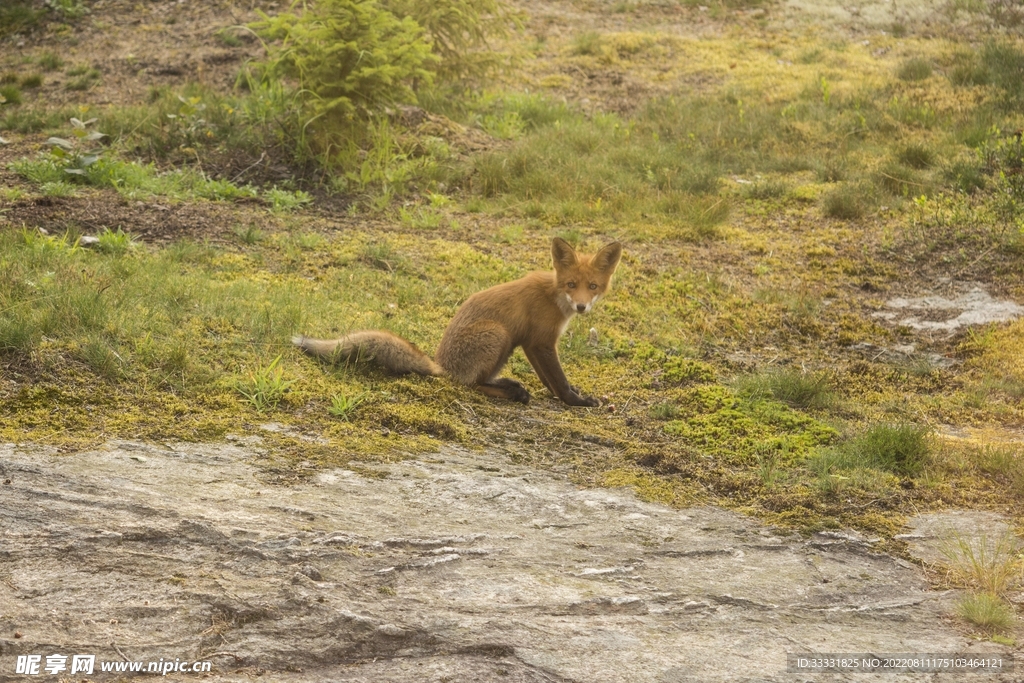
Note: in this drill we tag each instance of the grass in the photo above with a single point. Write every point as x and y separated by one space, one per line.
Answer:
189 339
795 388
266 386
987 612
990 570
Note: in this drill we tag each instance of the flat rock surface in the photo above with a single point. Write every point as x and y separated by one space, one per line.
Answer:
460 568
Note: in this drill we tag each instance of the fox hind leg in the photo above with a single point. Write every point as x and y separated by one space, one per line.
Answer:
475 357
505 387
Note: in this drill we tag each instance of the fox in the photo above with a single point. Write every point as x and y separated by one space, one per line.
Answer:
531 312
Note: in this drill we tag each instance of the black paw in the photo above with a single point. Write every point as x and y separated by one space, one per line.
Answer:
514 390
574 399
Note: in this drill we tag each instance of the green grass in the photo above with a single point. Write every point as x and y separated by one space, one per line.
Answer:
795 388
914 69
898 448
10 95
50 61
987 612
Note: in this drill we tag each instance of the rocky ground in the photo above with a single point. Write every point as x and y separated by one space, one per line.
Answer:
463 567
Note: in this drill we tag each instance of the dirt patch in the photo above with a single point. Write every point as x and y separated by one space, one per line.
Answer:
463 567
157 220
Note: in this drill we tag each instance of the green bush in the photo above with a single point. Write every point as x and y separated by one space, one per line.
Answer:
347 57
459 31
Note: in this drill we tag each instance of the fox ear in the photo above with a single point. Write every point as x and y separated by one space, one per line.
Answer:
606 259
562 253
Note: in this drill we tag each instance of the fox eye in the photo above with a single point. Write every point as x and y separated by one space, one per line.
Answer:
593 285
571 284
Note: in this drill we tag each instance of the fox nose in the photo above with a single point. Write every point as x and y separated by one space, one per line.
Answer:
581 307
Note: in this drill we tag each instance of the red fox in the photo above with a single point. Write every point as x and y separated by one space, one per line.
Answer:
531 312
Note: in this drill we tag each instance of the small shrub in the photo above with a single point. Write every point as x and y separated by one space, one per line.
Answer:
461 32
75 155
347 56
914 69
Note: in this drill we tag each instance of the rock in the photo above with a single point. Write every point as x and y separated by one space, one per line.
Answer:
472 568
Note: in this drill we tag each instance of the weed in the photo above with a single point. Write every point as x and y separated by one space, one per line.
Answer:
266 386
987 612
57 188
900 181
769 461
32 81
19 16
228 38
10 95
793 387
898 448
848 202
993 567
420 218
83 78
765 189
115 242
250 234
50 61
914 69
344 405
666 410
285 200
916 156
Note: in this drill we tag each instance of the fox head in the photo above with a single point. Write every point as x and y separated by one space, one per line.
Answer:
582 279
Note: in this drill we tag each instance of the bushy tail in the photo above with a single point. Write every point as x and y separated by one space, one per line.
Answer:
387 350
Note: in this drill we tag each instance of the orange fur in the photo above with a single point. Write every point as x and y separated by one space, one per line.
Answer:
531 312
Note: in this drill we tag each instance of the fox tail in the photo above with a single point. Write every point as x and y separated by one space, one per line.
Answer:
384 349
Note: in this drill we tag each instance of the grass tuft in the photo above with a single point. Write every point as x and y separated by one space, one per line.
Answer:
898 448
793 387
987 612
266 386
914 69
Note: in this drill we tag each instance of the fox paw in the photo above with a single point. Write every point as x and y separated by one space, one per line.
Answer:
574 399
513 390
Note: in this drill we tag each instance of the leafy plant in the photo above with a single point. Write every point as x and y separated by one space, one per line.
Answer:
114 241
343 405
77 154
266 386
